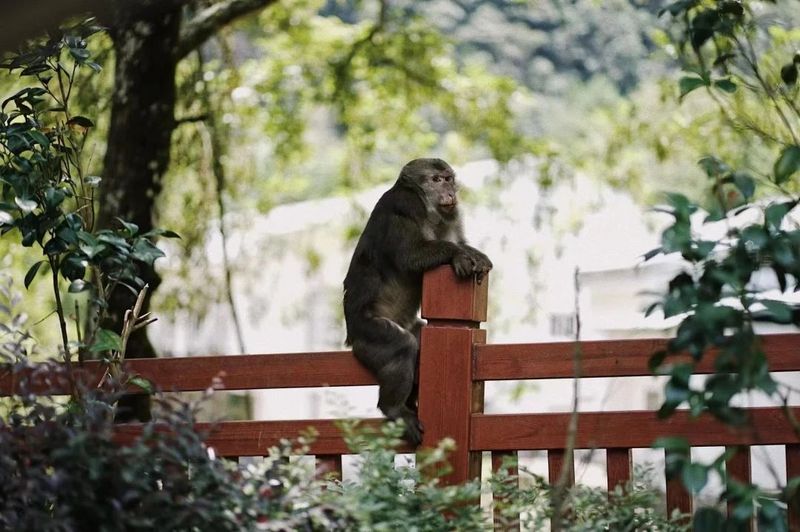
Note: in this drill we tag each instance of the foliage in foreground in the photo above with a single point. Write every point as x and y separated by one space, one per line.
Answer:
741 258
63 472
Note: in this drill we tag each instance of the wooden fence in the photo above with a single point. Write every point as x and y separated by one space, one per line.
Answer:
455 362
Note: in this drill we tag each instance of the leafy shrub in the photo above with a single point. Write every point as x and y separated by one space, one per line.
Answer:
46 197
746 61
62 470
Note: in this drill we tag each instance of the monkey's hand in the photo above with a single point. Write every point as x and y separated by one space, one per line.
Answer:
480 262
463 264
469 261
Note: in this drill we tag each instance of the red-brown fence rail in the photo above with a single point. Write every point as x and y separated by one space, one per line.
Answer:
455 362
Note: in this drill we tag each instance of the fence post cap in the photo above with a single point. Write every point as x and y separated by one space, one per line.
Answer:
446 297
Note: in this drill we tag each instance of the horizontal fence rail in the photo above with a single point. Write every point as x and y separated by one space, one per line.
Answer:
504 432
607 358
254 438
237 372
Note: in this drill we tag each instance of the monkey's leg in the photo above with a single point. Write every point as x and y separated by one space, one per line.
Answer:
390 353
396 386
413 399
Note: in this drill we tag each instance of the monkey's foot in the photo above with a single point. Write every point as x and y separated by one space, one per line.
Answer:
413 432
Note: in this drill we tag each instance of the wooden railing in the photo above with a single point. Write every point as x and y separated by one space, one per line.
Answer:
455 362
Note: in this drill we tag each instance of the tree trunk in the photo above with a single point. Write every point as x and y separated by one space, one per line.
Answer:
149 40
137 155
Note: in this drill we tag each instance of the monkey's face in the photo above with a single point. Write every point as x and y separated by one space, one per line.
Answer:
441 190
437 182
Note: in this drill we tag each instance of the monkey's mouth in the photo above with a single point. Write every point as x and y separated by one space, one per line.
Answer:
448 206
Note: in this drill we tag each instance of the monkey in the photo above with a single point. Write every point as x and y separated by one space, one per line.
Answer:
415 226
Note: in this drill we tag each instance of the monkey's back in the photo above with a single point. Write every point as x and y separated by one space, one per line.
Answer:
374 285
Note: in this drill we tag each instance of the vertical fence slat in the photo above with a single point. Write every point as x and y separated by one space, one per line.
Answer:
738 468
619 462
328 465
498 457
678 497
555 461
793 470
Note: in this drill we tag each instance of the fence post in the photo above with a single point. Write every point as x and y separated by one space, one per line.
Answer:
454 309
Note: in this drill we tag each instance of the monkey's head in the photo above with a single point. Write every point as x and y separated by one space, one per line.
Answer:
435 181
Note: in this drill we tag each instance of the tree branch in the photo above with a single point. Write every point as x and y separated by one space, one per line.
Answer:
203 25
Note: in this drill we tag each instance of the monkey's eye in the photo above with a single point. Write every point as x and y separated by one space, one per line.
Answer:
436 179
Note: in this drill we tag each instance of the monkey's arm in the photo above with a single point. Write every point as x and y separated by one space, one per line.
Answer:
411 252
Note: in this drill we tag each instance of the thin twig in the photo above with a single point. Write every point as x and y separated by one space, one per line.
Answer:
211 138
560 489
78 333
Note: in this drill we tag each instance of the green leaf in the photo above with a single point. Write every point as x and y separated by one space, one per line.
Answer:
770 516
74 266
32 272
688 83
78 285
142 383
681 373
713 167
92 181
131 229
80 54
745 183
39 137
787 164
694 477
673 444
791 489
54 246
705 247
106 340
53 197
80 122
708 520
110 238
161 232
774 214
656 360
6 218
779 311
725 85
755 236
789 73
35 69
74 221
26 205
145 251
